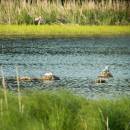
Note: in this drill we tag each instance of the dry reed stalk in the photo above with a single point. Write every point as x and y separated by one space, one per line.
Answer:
22 108
107 124
2 48
18 90
4 88
84 123
1 107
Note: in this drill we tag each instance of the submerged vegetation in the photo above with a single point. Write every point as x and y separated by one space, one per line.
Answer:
84 12
61 110
62 30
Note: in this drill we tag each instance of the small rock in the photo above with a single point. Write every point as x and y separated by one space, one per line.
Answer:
100 80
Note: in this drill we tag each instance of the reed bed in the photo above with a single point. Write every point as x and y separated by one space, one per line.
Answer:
61 110
105 12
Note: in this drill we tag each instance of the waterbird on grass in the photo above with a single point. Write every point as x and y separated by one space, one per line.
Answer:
24 78
105 73
38 20
50 76
106 69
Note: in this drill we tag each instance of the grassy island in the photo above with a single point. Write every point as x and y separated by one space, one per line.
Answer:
65 18
62 30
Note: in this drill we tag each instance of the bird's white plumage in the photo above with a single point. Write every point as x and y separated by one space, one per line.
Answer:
48 74
106 68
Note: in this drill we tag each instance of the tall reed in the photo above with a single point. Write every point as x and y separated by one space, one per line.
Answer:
89 12
1 107
18 90
4 88
107 124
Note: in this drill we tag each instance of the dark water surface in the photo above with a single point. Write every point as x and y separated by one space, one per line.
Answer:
77 61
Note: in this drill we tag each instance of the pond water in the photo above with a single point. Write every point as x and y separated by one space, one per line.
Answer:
77 61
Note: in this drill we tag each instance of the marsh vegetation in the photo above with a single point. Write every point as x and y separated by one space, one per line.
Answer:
61 110
76 61
101 12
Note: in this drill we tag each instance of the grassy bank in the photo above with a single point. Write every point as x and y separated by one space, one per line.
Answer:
62 30
62 111
83 12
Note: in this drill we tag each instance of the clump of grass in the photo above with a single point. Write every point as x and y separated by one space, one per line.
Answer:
89 12
62 110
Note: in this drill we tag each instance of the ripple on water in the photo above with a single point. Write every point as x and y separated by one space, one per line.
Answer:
77 61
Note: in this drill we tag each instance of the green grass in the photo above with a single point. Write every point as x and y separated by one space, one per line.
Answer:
61 110
62 30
